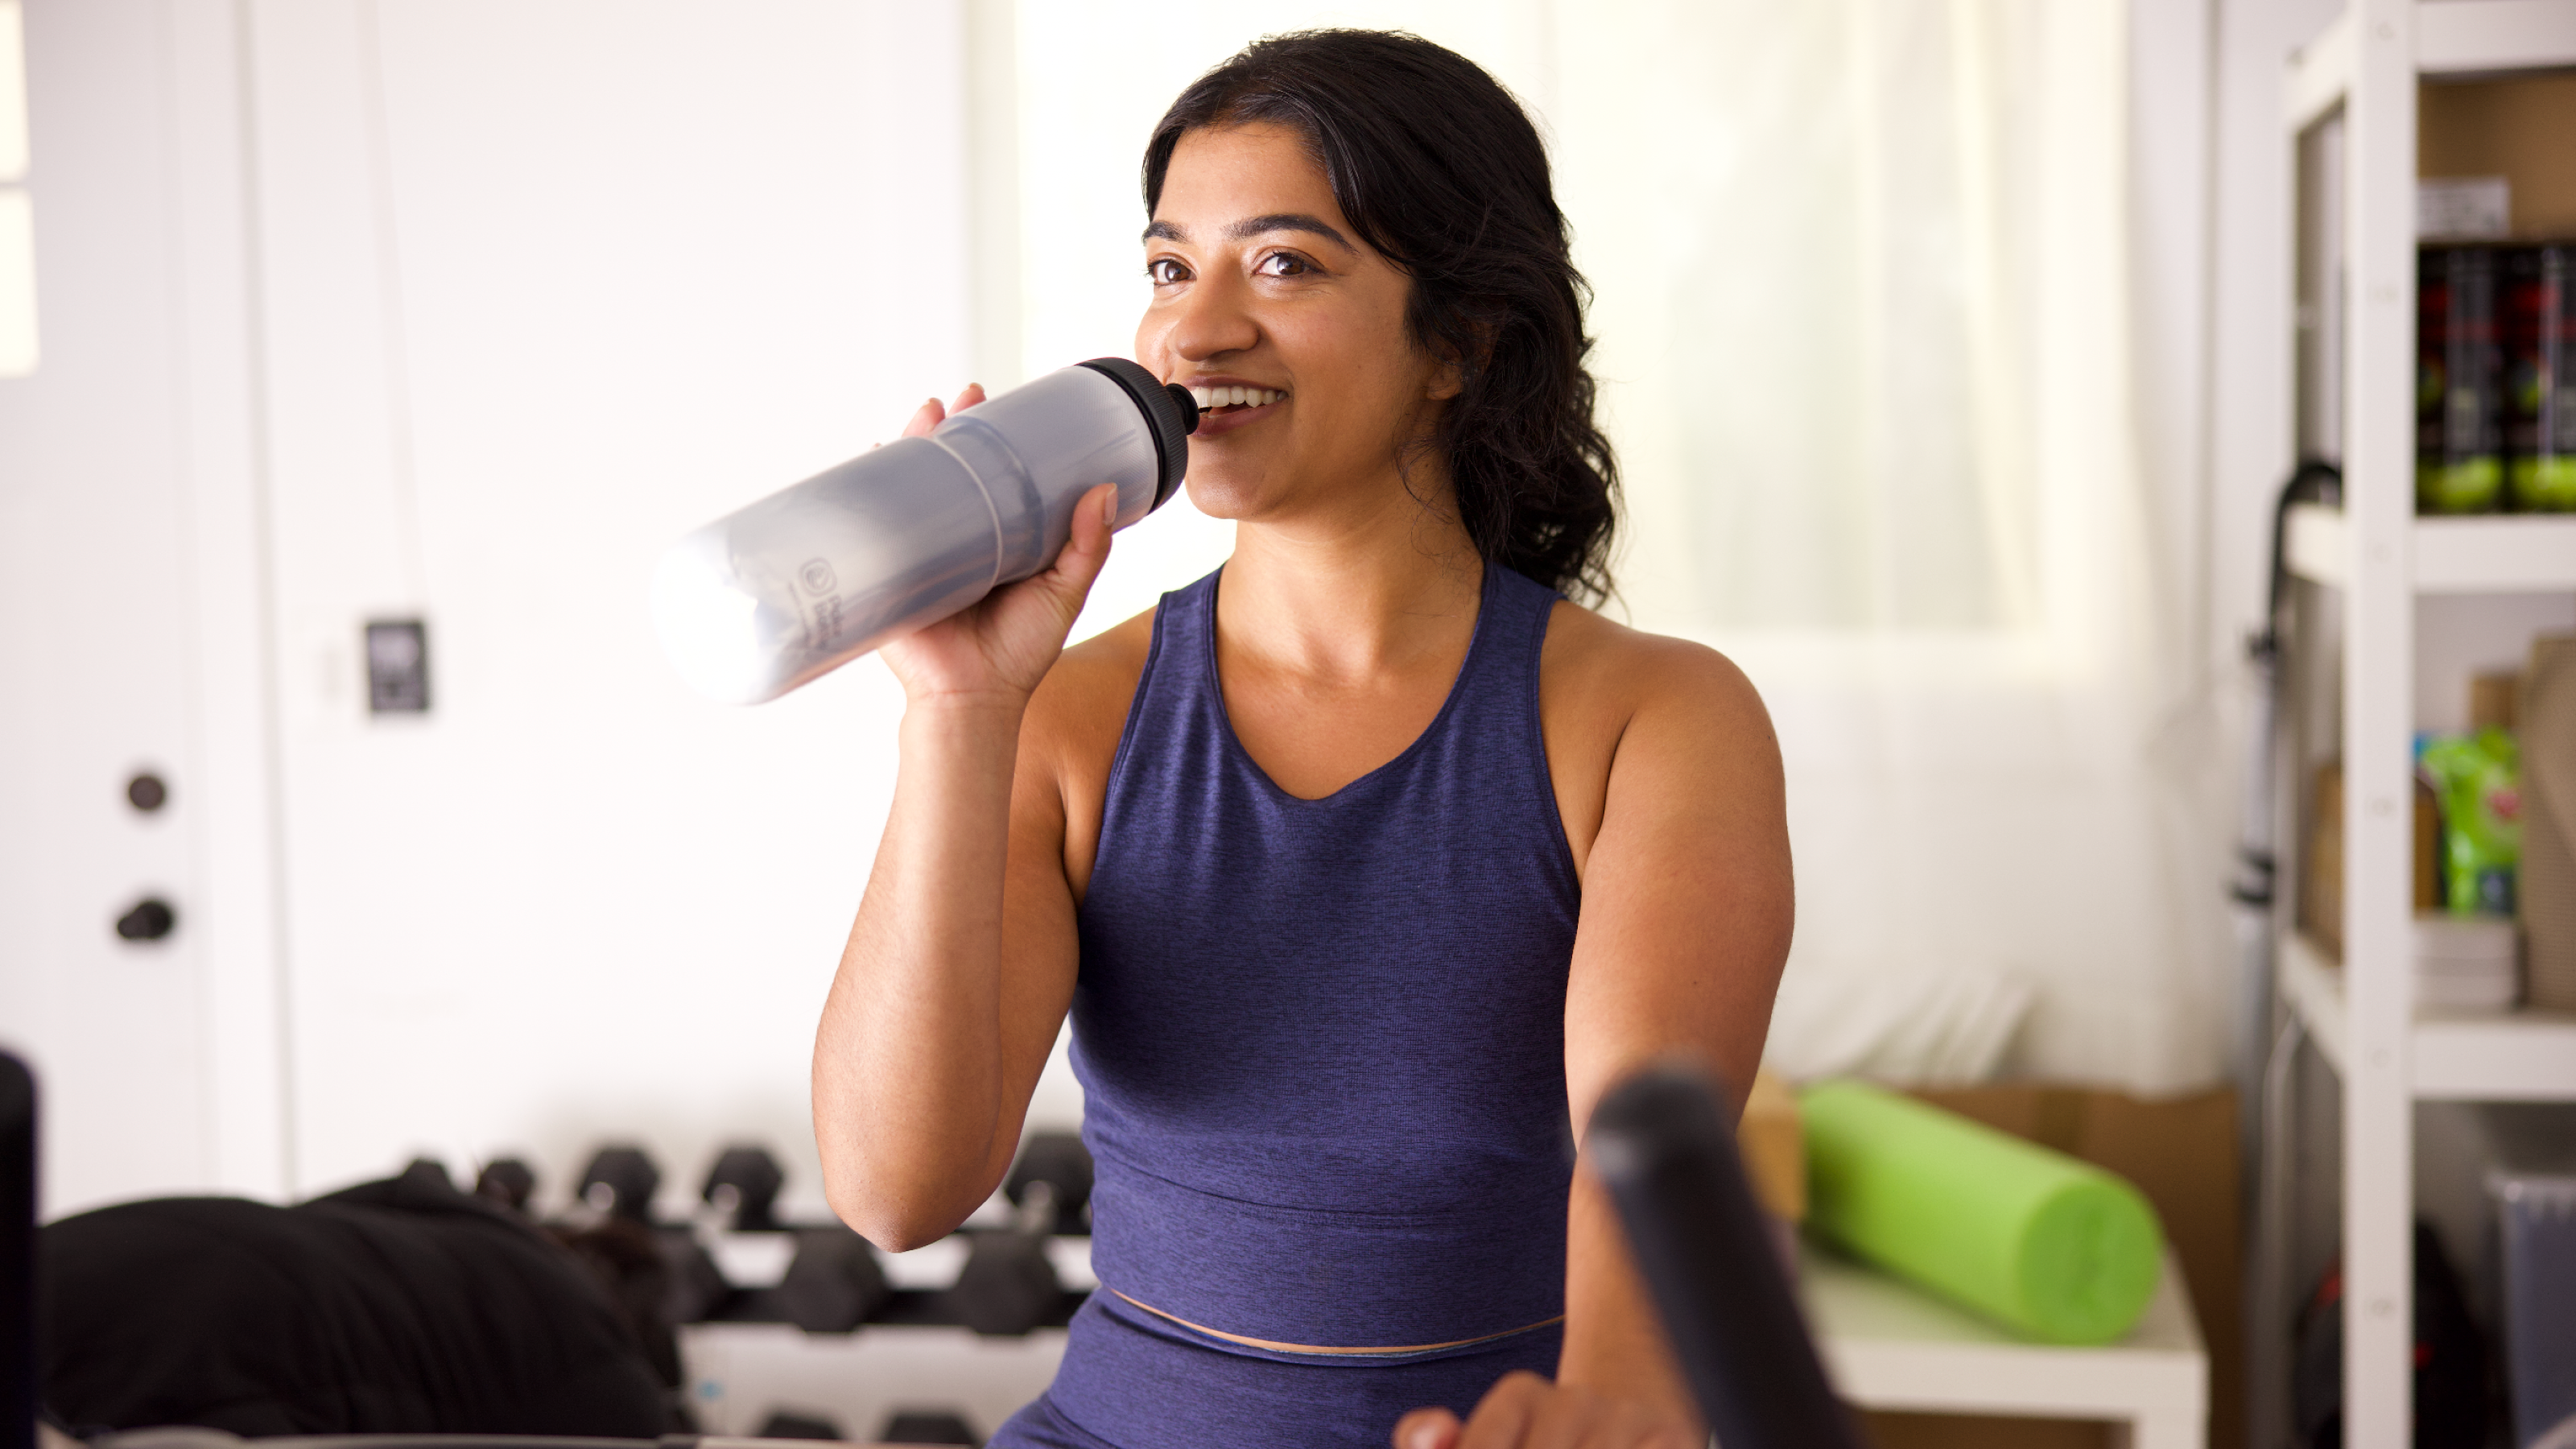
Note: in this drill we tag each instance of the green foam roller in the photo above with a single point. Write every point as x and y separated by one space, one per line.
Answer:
2055 1248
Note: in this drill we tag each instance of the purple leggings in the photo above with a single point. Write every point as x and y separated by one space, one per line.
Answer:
1134 1381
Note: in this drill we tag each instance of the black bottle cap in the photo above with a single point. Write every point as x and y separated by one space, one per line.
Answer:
1169 412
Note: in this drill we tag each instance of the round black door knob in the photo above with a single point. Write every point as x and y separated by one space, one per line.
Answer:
151 919
146 792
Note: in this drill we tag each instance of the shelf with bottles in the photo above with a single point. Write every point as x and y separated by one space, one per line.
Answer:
2493 950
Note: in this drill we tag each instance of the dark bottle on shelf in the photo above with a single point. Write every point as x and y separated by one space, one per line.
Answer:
2540 378
2459 398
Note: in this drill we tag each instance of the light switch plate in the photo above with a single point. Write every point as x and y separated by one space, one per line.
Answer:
397 666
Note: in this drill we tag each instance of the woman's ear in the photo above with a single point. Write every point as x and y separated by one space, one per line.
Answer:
1449 368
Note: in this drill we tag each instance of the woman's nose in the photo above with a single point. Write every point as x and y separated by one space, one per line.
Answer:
1209 320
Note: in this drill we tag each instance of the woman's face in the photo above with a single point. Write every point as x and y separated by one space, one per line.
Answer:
1261 283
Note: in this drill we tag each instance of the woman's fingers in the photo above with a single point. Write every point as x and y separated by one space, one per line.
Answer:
1508 1413
1426 1429
1068 582
1088 548
930 414
925 417
1525 1411
1021 627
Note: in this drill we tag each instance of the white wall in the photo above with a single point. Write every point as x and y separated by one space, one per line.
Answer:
357 308
545 284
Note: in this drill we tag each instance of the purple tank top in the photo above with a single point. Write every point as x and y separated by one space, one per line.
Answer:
1322 1041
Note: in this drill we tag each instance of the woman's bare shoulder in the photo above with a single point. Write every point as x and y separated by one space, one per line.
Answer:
1670 728
1612 676
1668 721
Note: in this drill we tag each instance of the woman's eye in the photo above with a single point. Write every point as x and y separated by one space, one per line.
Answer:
1283 264
1163 270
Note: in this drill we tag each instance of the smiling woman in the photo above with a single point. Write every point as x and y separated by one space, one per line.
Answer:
1451 190
1364 865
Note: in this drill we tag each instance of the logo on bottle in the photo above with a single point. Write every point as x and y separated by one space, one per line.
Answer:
817 576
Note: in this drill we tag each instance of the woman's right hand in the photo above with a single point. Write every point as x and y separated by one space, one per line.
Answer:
998 649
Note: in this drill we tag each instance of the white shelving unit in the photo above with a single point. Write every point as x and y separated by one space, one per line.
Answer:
2380 556
1888 1345
2527 1056
2497 553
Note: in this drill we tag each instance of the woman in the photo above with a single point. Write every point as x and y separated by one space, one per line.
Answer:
1364 864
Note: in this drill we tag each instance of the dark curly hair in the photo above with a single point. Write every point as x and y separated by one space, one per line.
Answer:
1439 169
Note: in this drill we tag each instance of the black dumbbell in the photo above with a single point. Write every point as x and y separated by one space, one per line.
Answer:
1009 1284
507 1181
927 1426
833 1283
1059 1159
696 1286
798 1424
620 1182
743 1187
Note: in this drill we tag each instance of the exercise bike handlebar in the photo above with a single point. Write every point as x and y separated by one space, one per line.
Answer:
1661 1143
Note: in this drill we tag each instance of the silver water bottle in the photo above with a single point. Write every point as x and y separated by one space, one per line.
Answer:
810 578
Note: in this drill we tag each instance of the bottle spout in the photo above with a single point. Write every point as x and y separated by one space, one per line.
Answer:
1188 404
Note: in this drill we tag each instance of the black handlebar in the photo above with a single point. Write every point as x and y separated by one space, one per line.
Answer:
1661 1143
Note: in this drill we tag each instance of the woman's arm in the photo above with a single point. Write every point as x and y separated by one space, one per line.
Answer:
960 965
1687 907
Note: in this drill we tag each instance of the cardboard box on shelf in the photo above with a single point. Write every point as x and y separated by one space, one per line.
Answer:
2509 126
2320 903
1774 1147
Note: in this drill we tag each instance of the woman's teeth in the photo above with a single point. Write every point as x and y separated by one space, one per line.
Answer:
1235 397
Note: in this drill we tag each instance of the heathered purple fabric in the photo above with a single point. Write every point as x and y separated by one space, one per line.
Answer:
1322 1046
1131 1381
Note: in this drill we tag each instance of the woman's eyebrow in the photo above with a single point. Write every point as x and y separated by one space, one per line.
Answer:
1253 226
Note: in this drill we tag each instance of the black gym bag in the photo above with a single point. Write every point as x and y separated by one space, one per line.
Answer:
401 1306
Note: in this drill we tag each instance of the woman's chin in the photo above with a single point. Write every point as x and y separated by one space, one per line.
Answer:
1218 496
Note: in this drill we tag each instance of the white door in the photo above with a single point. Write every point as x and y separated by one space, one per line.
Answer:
128 641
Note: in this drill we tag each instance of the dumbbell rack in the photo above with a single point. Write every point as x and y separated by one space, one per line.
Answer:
2378 557
907 1356
740 1373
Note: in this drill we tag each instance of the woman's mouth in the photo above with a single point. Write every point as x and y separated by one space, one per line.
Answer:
1211 399
1222 409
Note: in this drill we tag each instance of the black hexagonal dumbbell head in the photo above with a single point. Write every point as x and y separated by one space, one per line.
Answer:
743 1186
799 1424
507 1181
621 1181
1061 1161
696 1287
927 1426
833 1283
1008 1285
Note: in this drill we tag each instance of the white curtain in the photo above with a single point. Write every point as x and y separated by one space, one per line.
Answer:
1862 296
